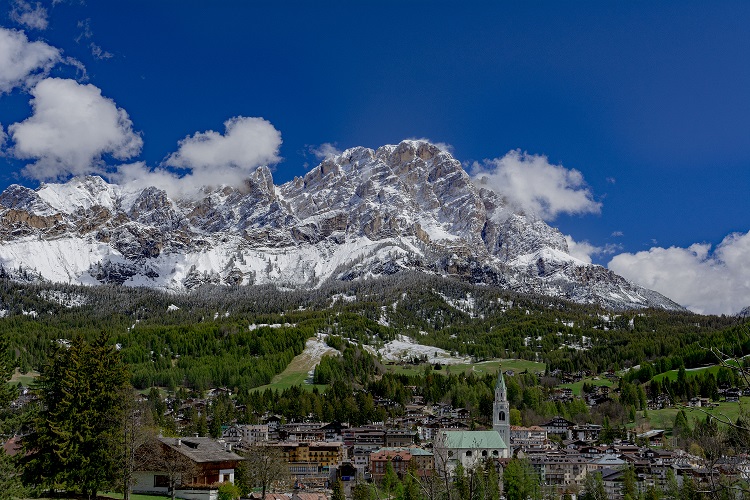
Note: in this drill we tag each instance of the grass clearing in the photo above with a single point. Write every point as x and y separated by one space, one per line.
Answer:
578 386
25 378
298 370
664 419
690 372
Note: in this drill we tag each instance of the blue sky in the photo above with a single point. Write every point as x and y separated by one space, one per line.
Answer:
650 103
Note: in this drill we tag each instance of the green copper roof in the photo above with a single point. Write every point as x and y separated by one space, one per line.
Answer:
474 439
500 381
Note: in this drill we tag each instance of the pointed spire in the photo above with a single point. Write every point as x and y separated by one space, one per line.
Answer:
500 385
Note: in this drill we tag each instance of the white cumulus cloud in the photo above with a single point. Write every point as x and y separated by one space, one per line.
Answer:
705 281
583 250
22 62
246 144
210 158
32 16
71 127
531 183
138 176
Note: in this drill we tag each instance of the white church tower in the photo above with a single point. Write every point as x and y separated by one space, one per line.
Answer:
501 410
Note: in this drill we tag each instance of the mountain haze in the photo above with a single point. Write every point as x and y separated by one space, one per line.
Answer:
363 213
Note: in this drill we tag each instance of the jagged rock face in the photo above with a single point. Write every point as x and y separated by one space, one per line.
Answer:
360 214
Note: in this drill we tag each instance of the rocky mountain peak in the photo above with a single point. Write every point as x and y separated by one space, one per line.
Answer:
360 214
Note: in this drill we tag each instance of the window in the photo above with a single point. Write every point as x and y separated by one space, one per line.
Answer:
161 481
468 453
484 453
502 416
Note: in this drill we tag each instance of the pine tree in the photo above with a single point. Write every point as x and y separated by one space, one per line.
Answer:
10 482
520 481
390 479
77 436
593 486
628 483
493 484
337 490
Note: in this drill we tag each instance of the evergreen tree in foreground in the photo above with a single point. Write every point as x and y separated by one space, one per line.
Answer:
77 436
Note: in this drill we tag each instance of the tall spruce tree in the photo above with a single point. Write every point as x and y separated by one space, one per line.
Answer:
10 482
77 437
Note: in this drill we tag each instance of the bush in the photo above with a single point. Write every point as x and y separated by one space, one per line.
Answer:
228 491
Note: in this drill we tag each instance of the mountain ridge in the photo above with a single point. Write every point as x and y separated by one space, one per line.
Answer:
362 213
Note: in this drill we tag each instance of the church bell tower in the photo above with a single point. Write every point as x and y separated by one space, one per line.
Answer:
501 410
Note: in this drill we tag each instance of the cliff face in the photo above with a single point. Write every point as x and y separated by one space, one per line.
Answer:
363 213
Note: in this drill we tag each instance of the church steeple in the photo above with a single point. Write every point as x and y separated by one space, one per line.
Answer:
501 410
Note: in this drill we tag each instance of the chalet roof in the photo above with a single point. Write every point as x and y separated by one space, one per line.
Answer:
651 433
12 446
609 460
200 449
473 439
309 496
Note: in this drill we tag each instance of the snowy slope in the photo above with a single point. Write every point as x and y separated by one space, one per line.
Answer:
362 214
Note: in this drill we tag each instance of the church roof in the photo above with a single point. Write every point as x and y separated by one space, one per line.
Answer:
474 440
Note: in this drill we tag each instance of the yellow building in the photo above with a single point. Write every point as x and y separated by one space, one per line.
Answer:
311 461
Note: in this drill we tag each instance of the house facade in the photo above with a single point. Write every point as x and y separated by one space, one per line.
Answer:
190 464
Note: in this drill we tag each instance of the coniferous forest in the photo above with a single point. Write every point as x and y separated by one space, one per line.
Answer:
240 338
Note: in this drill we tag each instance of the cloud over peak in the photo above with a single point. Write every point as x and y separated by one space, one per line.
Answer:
71 128
530 182
210 158
245 144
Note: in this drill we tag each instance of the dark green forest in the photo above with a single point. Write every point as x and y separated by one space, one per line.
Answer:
206 339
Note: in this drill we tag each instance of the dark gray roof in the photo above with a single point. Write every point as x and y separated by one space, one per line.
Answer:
201 449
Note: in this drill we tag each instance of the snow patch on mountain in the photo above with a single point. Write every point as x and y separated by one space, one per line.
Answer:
404 348
68 300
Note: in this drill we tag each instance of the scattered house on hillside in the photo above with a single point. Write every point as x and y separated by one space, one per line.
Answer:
560 426
190 465
563 394
697 402
533 437
334 430
659 402
732 395
586 432
245 435
655 437
302 432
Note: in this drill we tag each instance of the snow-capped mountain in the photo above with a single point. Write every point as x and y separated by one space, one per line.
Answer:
361 214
